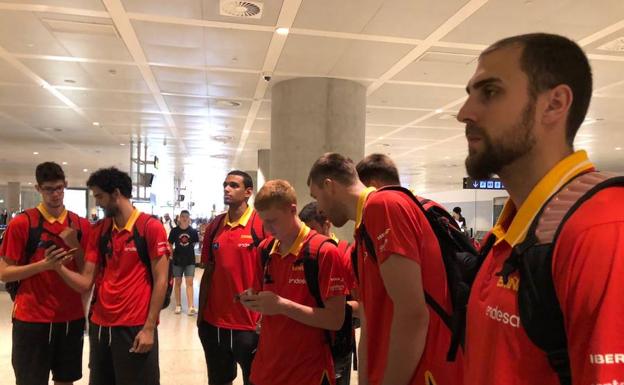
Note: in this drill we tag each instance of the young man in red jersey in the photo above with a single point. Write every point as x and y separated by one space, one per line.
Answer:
48 316
526 101
294 345
128 259
317 221
402 341
226 329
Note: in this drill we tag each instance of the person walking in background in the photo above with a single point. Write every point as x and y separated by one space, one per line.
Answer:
182 240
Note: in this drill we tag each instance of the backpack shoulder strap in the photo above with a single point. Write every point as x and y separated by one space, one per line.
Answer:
105 227
35 229
265 258
539 306
140 242
254 236
73 219
218 222
309 259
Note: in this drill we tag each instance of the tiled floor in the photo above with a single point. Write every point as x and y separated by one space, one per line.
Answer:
181 354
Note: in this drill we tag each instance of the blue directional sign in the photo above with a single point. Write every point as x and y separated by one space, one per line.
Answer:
483 184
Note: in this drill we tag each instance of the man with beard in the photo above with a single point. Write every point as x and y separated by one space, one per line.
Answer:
227 330
129 293
48 316
527 100
402 341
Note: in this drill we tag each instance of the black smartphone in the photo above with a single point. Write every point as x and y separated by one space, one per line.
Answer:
46 244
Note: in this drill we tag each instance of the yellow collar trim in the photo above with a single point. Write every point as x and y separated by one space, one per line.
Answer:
49 217
295 248
131 221
520 220
360 205
242 221
334 238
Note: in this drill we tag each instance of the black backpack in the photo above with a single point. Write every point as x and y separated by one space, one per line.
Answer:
461 263
341 341
539 308
141 246
32 242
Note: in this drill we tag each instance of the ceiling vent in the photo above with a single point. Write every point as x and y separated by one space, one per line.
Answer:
616 45
220 156
447 57
247 9
80 27
222 138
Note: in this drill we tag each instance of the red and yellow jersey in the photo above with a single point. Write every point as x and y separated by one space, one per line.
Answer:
397 226
124 290
587 258
43 297
235 268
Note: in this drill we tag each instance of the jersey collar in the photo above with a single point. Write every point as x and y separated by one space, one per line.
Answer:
513 224
130 223
297 245
242 221
49 217
360 205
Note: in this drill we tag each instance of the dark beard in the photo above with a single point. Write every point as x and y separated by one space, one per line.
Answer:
110 212
494 157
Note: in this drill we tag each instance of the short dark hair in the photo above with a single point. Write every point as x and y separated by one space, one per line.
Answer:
378 167
49 172
333 166
109 179
310 212
247 181
548 61
185 212
457 210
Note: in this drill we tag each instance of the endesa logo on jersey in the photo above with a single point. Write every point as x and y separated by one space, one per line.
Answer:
505 318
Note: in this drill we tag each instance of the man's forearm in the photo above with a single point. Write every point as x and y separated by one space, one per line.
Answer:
408 335
322 318
12 273
159 290
75 280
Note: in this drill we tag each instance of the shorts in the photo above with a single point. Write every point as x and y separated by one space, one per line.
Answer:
111 362
223 349
187 271
39 348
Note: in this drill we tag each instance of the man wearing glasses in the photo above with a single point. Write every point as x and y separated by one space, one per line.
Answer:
48 316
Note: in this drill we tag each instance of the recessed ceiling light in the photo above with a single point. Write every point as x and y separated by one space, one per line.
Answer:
30 45
618 149
122 144
30 183
35 153
84 170
282 31
439 111
222 138
228 103
1 200
96 123
64 163
220 156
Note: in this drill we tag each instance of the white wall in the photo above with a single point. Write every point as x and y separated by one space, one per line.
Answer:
476 205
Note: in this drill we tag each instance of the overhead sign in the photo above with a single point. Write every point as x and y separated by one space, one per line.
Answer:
483 184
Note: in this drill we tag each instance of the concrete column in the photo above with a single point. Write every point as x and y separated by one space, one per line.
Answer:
312 116
13 200
264 166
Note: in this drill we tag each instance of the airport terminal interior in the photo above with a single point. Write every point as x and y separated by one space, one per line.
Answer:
179 92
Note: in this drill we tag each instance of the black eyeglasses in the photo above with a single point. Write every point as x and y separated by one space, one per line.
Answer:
51 190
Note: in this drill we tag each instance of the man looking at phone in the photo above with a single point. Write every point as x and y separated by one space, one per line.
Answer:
48 316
